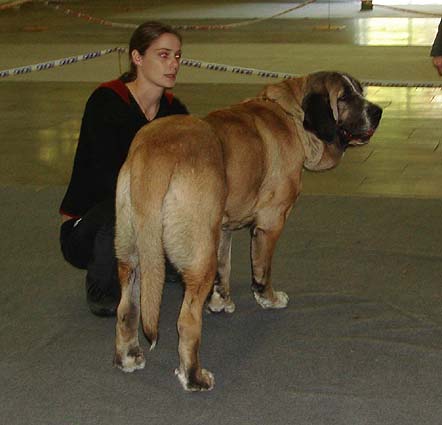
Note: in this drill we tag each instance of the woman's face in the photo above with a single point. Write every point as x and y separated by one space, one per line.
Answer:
161 61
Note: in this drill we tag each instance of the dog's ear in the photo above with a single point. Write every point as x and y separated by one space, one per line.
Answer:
320 115
356 84
282 94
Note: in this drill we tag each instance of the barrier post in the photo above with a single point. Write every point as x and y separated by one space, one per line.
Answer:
366 5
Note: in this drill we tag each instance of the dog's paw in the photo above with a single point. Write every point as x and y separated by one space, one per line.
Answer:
203 380
133 360
280 300
218 303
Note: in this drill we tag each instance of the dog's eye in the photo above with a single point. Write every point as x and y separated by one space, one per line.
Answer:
344 97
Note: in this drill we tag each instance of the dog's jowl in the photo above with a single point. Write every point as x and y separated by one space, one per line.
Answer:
188 183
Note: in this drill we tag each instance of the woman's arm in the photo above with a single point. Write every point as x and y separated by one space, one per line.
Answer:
436 50
96 159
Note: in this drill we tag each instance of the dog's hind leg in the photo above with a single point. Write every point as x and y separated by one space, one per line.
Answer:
128 354
220 299
191 238
264 237
198 281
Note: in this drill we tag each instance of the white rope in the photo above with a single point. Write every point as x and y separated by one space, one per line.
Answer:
283 75
193 63
43 66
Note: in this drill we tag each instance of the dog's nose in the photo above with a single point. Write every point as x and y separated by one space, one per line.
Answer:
375 112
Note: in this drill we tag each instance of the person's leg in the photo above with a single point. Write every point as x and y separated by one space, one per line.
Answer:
88 243
102 284
76 244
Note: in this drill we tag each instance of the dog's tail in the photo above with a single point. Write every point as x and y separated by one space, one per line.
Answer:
147 199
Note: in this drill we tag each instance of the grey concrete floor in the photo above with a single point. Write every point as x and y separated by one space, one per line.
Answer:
361 340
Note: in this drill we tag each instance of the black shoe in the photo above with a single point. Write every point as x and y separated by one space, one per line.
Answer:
100 303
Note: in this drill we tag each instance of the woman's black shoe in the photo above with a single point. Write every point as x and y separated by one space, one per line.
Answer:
100 303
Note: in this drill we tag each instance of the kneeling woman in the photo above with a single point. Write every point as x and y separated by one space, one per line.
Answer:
114 113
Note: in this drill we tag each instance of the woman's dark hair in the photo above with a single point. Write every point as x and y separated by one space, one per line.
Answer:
141 40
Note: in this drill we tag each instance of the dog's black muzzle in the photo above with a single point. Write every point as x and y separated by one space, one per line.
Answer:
354 137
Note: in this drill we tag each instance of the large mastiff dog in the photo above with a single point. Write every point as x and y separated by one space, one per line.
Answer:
188 183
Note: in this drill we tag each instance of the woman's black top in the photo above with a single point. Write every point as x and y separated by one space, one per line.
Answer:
436 49
111 119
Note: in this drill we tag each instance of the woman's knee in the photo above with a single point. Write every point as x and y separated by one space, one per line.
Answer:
76 251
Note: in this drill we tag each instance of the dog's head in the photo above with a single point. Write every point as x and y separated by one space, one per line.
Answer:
336 111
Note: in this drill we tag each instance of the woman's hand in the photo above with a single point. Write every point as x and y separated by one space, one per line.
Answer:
65 218
437 62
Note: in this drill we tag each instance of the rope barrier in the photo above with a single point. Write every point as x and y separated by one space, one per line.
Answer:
400 9
58 62
13 4
243 23
193 63
89 18
105 22
284 75
409 84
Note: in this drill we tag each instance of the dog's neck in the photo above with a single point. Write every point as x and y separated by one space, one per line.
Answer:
268 99
318 156
288 95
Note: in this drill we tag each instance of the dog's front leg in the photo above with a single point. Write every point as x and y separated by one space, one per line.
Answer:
263 241
220 299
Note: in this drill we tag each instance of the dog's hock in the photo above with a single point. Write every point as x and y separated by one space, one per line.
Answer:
205 383
218 303
280 300
131 361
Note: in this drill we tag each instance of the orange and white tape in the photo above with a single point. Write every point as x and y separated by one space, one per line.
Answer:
239 24
105 22
13 4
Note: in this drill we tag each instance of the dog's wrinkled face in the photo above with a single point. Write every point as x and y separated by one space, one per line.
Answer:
336 111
